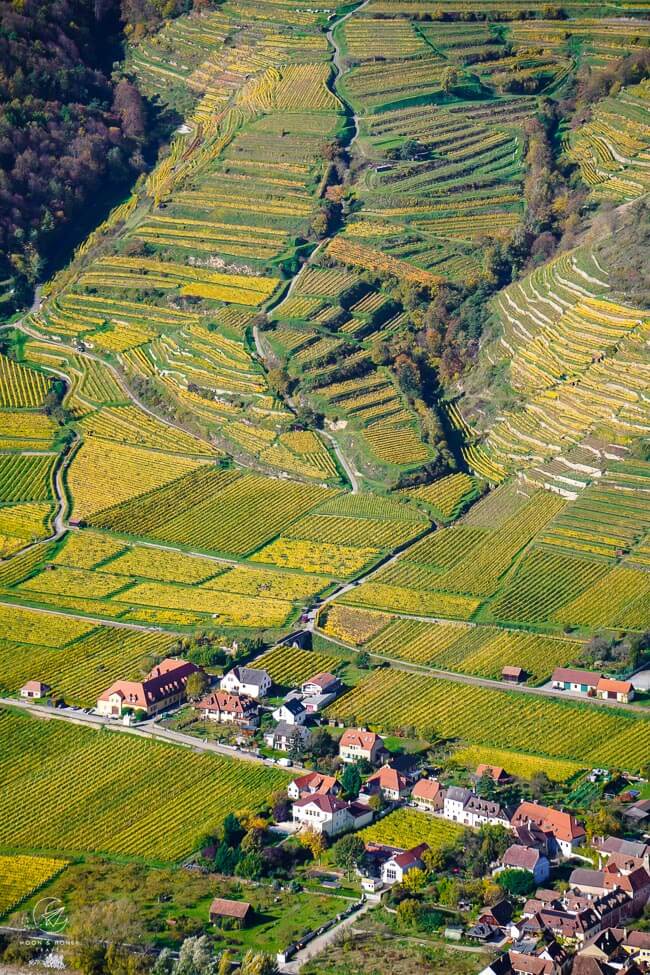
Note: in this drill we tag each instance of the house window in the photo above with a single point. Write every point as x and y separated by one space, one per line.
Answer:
391 874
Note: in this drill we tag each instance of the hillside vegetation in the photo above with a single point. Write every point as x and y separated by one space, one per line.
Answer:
366 345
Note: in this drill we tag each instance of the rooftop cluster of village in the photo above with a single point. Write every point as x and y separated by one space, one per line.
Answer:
559 896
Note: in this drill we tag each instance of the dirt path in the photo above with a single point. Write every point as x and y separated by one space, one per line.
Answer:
337 61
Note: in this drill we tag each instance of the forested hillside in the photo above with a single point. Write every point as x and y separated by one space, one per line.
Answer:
70 134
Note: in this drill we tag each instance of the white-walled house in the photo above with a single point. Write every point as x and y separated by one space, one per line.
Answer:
395 869
162 688
454 803
329 815
246 680
357 744
292 711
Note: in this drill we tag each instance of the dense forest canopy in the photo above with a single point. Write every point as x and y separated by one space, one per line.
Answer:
69 130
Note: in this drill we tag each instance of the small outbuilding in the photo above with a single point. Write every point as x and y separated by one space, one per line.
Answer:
513 675
34 689
240 912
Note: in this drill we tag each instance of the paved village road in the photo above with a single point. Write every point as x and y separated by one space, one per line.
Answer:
146 729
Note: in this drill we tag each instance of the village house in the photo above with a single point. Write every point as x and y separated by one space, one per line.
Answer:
495 772
575 681
614 690
637 944
386 781
292 711
454 803
428 794
228 708
329 815
34 689
597 883
567 833
357 744
464 806
238 913
546 962
321 684
627 855
491 923
313 783
285 737
246 680
535 839
162 688
399 864
523 858
638 813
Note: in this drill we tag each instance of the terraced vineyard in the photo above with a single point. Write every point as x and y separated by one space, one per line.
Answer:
368 343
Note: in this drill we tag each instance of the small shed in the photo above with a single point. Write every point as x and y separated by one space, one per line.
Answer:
513 675
34 689
240 912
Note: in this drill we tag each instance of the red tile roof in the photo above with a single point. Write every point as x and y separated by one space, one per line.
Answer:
614 686
410 857
494 771
315 782
521 857
362 739
165 680
322 680
562 824
426 789
237 704
326 804
228 908
575 676
389 779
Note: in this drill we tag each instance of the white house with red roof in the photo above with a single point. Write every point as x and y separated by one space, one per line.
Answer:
162 688
34 689
329 815
355 744
228 708
324 683
388 782
313 783
399 864
608 689
566 830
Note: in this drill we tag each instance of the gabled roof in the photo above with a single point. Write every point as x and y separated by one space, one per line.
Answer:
315 782
166 679
575 676
293 705
456 794
227 908
36 686
638 939
285 730
614 686
631 848
426 789
583 877
326 804
563 825
521 858
249 675
494 771
410 858
322 680
229 703
361 739
389 778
